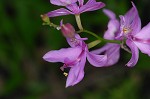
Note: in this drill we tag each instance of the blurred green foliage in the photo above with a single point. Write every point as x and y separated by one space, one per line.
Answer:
23 42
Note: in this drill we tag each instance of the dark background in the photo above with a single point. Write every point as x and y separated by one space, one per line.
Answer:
23 42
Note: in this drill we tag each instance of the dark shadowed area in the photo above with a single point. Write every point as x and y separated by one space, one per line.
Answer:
24 41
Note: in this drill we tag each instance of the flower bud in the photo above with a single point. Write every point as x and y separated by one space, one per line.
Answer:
45 18
68 30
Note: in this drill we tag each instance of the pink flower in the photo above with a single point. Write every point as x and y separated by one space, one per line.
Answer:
75 58
136 38
73 7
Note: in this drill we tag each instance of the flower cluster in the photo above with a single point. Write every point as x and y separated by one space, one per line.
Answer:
125 33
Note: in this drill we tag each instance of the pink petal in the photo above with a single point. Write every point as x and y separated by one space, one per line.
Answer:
122 24
76 73
135 53
96 60
113 27
74 8
58 12
144 34
145 48
63 54
113 55
109 13
62 2
112 51
81 2
71 77
91 5
56 2
132 19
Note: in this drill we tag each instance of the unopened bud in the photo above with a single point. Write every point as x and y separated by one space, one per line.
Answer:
45 18
68 30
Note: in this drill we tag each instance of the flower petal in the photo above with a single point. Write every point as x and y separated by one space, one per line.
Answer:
144 34
76 73
132 20
74 8
113 55
113 27
81 2
145 48
112 51
120 34
96 60
91 5
58 12
56 2
62 2
63 54
142 39
109 13
135 53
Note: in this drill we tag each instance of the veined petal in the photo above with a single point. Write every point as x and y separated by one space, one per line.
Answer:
91 5
144 34
96 60
113 55
63 54
109 13
62 2
112 51
74 8
58 12
113 28
76 73
56 2
71 77
132 20
81 2
121 32
135 53
145 48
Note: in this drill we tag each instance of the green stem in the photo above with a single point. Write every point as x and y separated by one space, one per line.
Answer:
78 20
94 43
52 25
55 26
101 39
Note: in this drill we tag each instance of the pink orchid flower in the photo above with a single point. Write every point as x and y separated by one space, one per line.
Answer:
136 38
72 7
75 58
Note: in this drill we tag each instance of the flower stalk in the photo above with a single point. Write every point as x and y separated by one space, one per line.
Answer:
78 20
101 39
94 43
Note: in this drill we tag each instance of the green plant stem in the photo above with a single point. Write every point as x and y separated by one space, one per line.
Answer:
93 43
78 20
52 25
101 39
